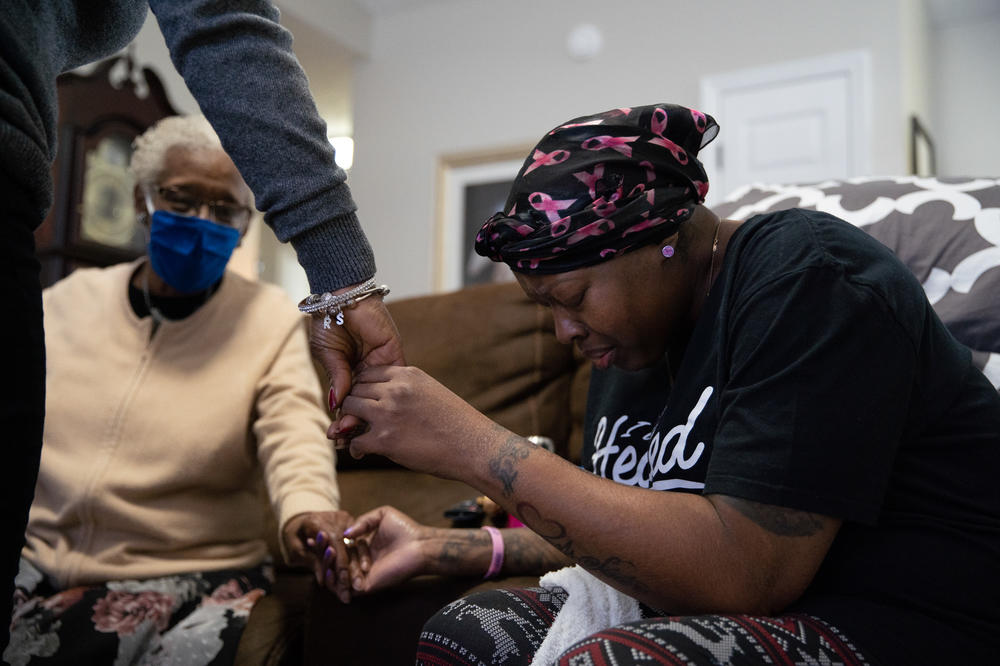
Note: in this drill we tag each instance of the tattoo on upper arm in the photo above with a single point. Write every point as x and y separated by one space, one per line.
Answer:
555 533
503 466
778 519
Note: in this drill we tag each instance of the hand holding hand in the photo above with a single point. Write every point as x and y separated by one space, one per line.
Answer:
392 540
315 539
367 338
416 421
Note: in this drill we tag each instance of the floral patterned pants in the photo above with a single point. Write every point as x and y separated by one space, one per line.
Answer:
190 619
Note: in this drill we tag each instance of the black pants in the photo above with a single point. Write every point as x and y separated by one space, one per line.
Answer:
22 378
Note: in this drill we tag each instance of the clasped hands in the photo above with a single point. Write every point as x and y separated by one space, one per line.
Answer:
379 550
417 422
367 338
384 407
380 405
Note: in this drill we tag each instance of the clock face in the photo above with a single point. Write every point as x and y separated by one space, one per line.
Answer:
107 213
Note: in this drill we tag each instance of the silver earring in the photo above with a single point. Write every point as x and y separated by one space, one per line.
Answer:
667 251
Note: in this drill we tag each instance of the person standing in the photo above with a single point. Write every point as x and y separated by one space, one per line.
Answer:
238 63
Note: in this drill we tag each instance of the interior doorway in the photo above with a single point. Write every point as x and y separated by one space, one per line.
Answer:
795 122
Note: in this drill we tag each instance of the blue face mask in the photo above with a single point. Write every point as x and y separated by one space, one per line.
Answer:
189 253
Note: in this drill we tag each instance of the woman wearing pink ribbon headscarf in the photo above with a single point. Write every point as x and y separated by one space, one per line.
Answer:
784 443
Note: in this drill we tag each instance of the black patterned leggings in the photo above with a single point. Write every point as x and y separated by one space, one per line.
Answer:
508 626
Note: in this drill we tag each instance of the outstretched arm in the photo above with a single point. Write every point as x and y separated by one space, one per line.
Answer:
394 548
679 551
237 60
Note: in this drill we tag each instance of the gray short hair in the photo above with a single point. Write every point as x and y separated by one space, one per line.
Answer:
150 147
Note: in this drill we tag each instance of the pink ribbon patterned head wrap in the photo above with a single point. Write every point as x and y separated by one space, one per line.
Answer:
599 186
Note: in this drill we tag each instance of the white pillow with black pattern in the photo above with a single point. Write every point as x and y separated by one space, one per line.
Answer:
946 230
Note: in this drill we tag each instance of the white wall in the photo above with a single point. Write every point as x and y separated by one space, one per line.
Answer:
478 74
462 76
150 50
966 96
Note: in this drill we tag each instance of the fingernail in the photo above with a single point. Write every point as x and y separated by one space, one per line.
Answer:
332 400
320 539
349 531
357 583
328 553
329 577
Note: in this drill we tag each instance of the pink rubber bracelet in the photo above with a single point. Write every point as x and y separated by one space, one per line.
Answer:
497 561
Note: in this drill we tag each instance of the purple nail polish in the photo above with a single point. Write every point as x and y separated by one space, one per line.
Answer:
328 553
320 539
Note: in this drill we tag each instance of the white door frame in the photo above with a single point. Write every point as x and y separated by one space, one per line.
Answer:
854 66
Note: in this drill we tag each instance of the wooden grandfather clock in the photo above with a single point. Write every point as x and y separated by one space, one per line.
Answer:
92 221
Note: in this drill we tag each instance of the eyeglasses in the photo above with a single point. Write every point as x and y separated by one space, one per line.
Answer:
224 212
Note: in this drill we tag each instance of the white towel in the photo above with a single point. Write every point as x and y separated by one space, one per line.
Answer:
592 605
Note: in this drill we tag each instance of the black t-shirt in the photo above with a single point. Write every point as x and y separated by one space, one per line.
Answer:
819 378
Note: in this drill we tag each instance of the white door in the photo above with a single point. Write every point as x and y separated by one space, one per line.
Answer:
797 122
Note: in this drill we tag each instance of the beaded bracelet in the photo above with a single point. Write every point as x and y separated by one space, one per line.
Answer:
333 304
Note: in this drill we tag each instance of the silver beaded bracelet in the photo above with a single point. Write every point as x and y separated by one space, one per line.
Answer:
334 304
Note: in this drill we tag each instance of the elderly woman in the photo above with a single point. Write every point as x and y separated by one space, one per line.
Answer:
818 482
172 384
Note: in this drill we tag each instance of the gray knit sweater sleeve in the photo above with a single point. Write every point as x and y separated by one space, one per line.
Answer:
238 63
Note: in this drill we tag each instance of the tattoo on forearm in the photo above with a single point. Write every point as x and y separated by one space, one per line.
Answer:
526 552
777 519
460 547
615 568
503 466
453 550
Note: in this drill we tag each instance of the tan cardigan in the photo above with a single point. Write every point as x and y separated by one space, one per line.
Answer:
152 446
